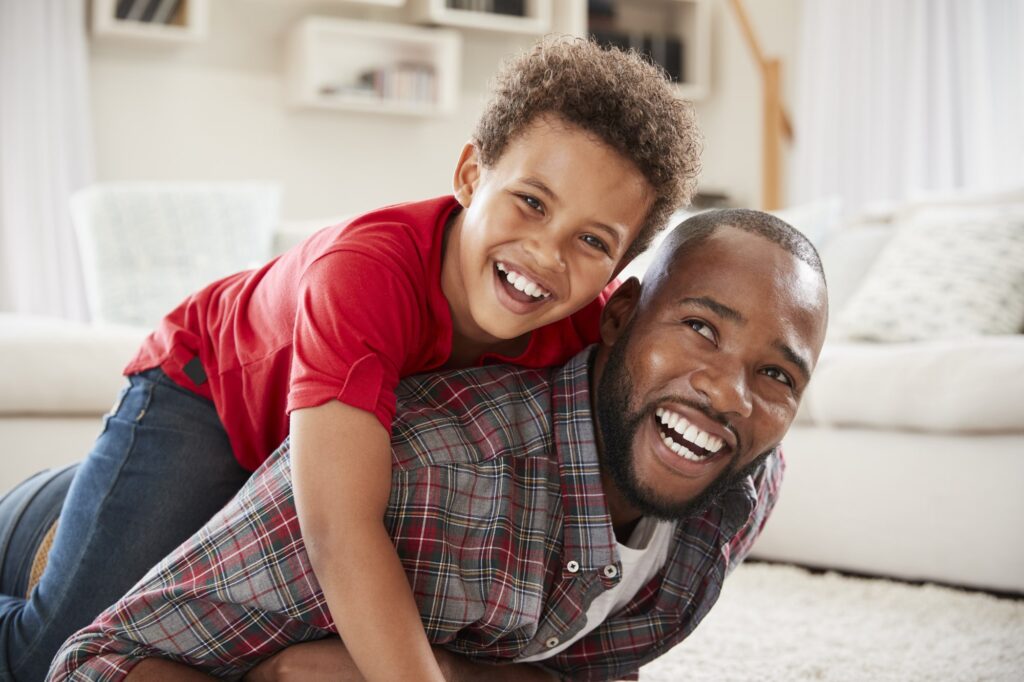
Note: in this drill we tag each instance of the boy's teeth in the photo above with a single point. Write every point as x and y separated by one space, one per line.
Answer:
688 432
522 283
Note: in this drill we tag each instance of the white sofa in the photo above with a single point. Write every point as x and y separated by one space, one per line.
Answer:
906 459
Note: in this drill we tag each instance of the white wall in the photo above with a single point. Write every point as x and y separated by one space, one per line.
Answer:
216 111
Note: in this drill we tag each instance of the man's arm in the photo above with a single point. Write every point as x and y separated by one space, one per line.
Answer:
159 670
328 660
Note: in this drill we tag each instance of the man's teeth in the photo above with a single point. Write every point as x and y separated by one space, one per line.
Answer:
689 433
523 284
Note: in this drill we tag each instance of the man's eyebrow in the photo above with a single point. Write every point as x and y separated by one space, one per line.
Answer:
795 358
612 233
711 304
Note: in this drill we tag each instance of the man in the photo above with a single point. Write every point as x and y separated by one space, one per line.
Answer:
575 521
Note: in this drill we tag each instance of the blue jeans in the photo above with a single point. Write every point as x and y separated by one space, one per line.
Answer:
160 468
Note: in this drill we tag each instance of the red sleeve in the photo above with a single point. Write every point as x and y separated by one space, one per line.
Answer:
358 318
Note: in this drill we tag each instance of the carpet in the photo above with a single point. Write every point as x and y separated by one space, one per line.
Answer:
778 622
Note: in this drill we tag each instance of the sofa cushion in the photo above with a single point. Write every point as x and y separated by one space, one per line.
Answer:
947 272
966 385
54 366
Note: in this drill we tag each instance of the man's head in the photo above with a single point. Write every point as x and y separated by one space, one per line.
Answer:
616 97
703 366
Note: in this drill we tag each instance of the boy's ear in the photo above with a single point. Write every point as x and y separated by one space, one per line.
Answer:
467 174
619 310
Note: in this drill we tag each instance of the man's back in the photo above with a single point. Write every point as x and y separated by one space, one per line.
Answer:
498 514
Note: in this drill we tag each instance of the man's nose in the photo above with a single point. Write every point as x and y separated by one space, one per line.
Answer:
726 388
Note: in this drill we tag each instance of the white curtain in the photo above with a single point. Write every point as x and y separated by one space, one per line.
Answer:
902 97
45 153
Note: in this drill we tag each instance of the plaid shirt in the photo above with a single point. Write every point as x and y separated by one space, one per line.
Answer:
498 514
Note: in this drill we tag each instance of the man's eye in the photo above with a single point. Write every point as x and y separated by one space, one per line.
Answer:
532 202
701 328
591 240
778 375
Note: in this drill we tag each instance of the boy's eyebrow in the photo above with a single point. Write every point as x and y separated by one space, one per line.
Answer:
714 306
539 184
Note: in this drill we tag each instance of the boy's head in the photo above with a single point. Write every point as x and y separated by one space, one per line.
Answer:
619 98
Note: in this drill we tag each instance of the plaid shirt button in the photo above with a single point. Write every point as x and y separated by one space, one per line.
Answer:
610 571
551 643
572 566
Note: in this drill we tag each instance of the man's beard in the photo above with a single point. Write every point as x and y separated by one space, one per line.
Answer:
618 427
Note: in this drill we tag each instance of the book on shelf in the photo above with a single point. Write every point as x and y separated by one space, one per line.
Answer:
136 10
664 50
411 82
122 9
148 11
516 8
167 11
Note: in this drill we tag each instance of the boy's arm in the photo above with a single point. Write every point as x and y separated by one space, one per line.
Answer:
341 469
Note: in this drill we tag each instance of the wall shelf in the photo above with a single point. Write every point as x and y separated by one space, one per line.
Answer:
187 23
481 14
373 67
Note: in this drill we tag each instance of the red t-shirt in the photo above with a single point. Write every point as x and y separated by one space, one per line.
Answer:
342 316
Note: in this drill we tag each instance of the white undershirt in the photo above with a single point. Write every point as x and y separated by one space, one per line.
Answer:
642 557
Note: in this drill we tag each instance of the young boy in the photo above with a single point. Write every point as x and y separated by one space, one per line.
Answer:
578 159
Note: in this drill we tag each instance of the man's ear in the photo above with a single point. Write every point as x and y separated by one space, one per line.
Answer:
619 310
467 174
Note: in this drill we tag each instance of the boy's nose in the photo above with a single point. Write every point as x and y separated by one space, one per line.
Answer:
546 251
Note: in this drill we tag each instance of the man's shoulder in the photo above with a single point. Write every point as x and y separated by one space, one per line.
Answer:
474 415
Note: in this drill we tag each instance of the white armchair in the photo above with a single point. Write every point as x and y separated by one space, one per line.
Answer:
145 246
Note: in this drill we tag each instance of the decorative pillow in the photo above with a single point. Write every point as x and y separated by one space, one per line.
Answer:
947 272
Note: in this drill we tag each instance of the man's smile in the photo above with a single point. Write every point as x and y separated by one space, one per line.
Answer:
686 448
685 438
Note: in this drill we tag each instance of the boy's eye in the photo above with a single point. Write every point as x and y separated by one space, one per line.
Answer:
532 202
778 375
595 242
702 328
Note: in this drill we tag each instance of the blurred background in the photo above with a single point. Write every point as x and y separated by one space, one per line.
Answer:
150 146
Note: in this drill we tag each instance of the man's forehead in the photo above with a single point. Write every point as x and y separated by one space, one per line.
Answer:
737 275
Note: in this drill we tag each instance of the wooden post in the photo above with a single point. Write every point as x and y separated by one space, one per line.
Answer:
771 180
775 121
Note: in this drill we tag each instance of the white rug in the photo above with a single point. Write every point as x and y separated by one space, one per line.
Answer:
777 622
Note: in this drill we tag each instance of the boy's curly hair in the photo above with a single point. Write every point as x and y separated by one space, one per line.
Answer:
624 100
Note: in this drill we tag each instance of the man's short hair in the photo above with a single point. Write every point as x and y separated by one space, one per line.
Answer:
695 230
619 97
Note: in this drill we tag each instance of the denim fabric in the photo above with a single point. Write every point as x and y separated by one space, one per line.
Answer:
160 468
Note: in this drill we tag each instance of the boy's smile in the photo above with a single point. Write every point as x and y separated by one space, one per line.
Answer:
542 232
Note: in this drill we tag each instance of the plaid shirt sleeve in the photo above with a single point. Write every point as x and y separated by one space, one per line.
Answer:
767 483
235 593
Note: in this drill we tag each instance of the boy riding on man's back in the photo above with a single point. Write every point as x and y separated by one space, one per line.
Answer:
579 158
